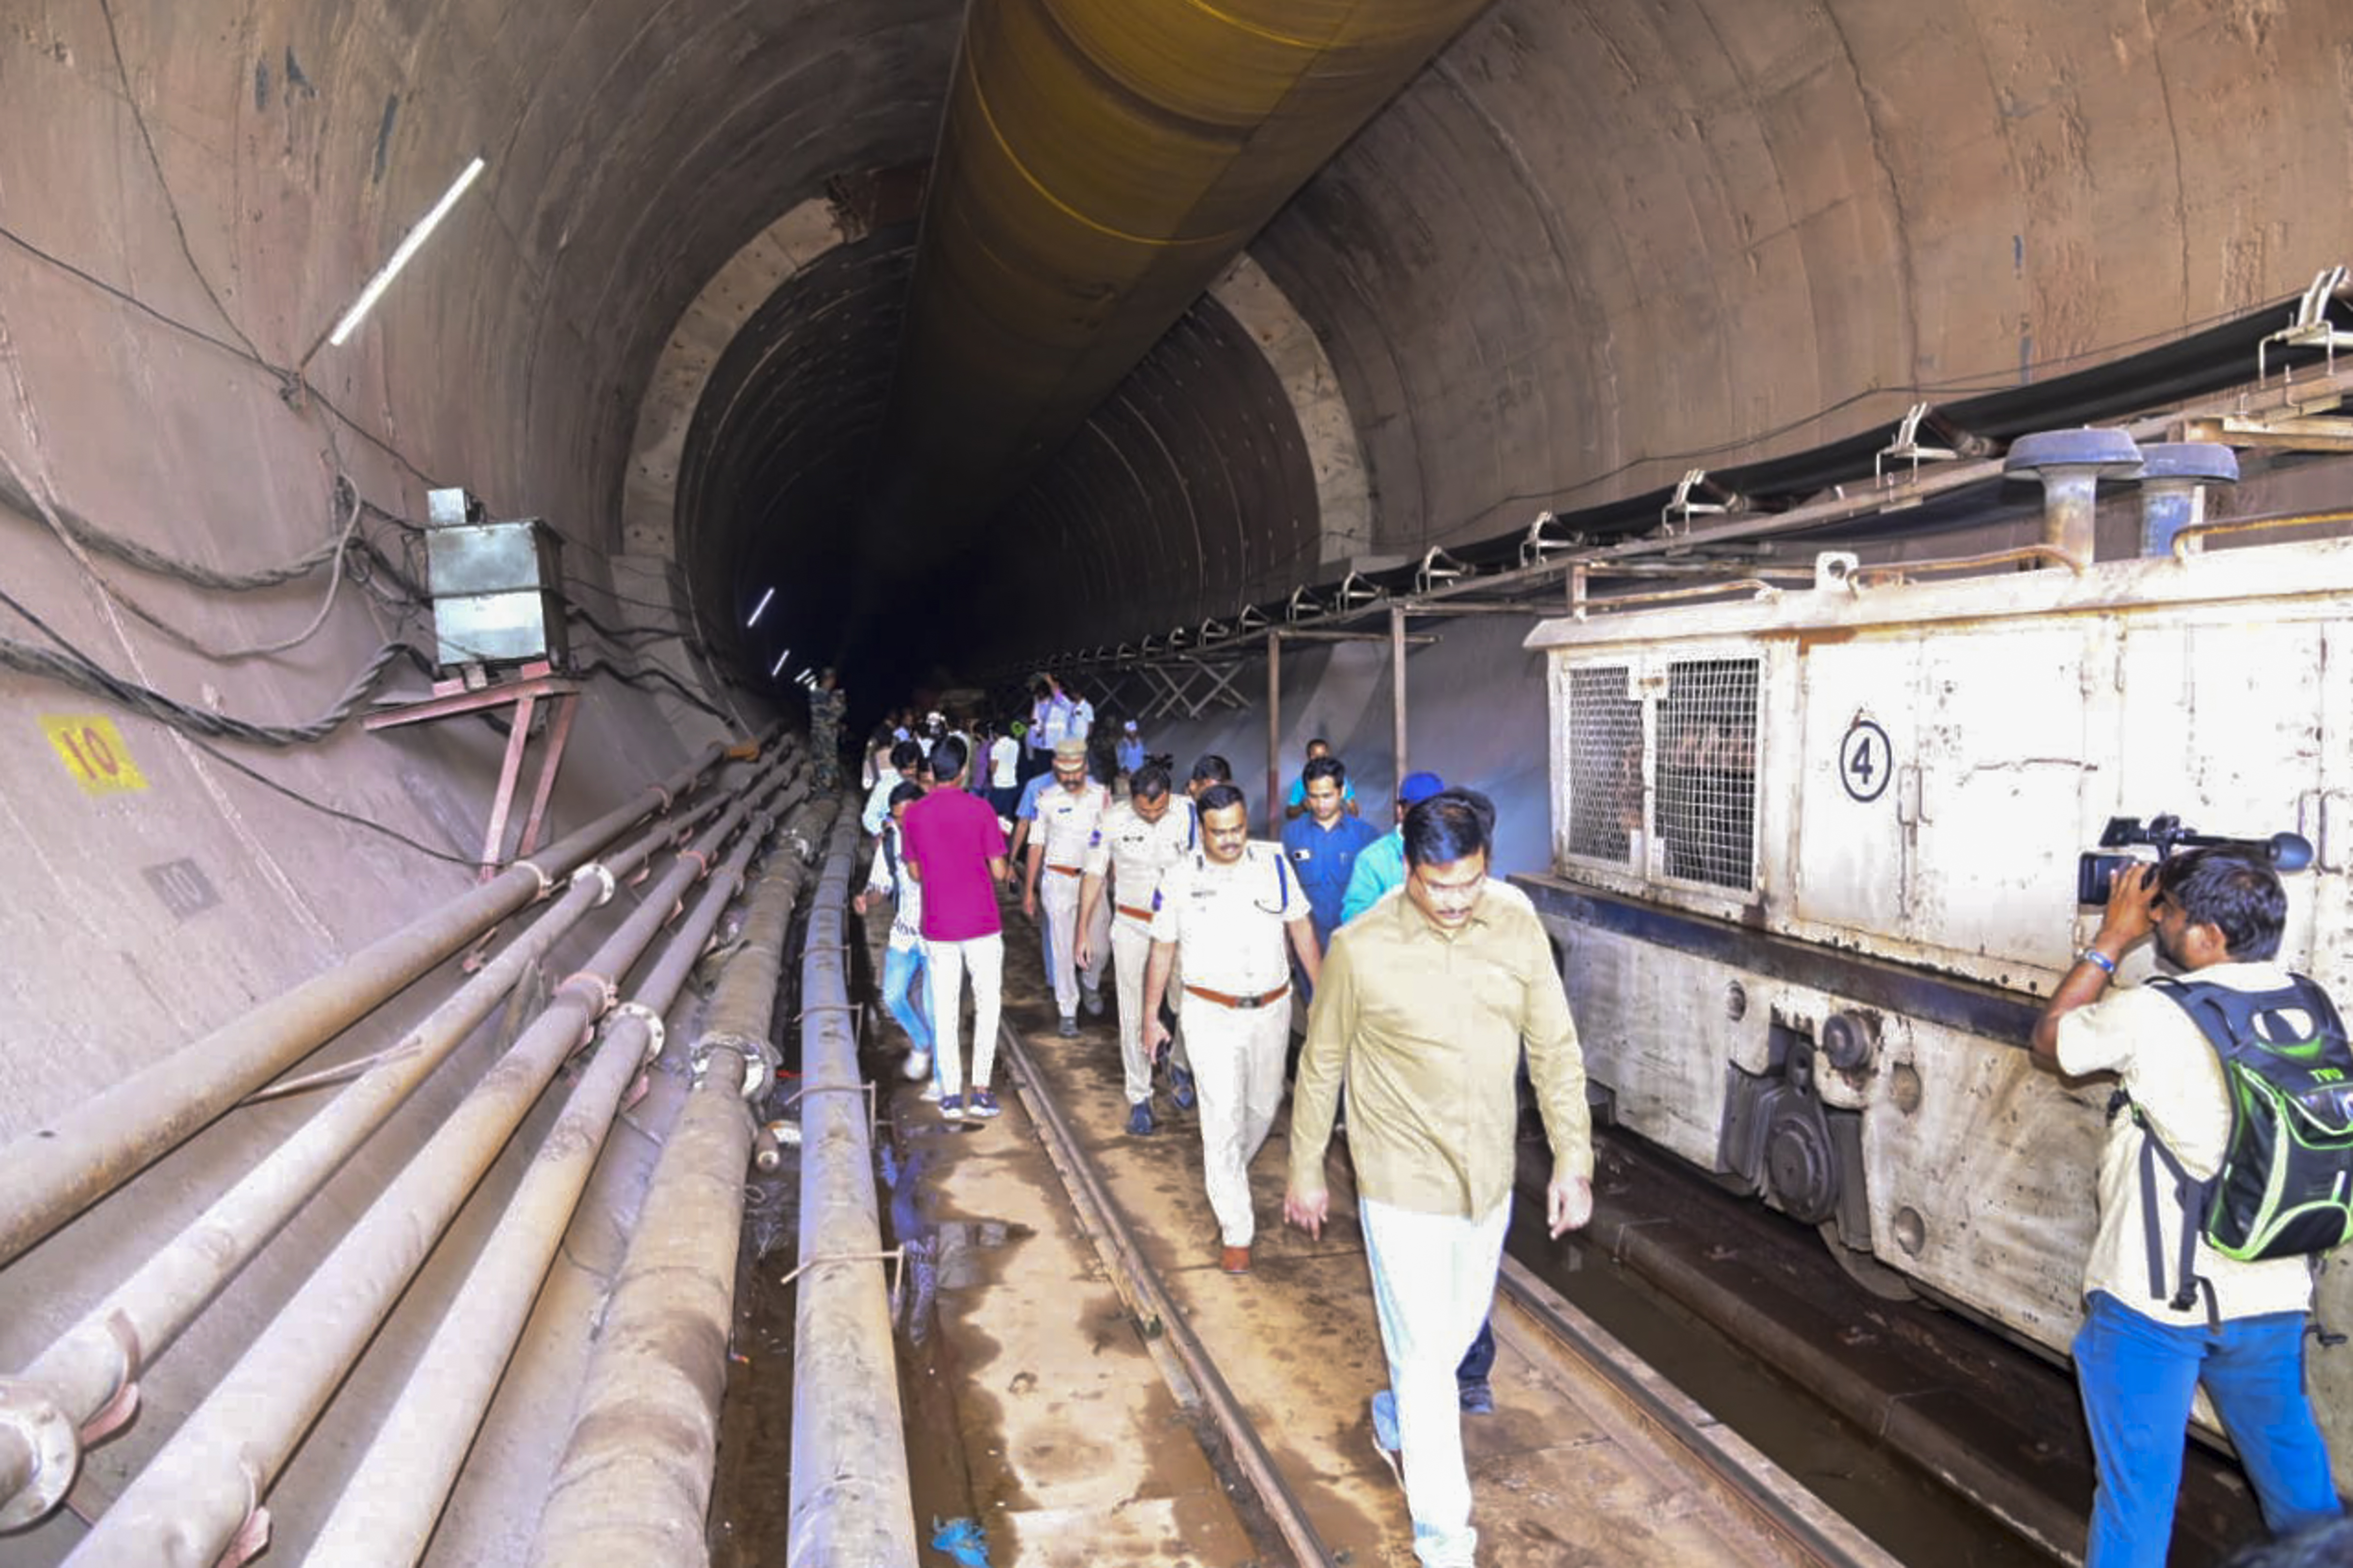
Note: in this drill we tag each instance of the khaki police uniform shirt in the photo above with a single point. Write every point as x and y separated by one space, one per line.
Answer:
2163 1060
1135 853
1067 821
1228 921
1425 1025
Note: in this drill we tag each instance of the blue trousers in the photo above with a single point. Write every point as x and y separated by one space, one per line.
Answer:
904 991
1479 1359
2137 1377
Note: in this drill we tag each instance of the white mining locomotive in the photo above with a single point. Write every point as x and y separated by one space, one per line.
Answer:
1814 868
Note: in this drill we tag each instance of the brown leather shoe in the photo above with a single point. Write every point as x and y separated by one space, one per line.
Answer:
1234 1259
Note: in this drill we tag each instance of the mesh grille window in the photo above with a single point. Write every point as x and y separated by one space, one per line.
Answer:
1605 763
1706 794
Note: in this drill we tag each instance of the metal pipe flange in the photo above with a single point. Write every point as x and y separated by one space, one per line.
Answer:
51 1452
602 873
655 1033
759 1061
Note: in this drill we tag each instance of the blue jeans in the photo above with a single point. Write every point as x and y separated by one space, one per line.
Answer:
2137 1377
903 992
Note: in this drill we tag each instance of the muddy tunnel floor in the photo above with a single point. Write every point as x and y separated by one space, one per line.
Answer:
1025 1391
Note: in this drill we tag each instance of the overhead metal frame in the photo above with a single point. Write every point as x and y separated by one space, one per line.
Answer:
1552 559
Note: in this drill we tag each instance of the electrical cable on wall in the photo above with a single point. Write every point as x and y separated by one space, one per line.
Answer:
71 666
171 632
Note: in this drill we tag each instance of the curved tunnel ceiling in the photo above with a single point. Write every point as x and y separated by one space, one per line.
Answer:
1589 239
1592 240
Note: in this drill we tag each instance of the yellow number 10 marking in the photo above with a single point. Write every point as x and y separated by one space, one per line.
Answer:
93 752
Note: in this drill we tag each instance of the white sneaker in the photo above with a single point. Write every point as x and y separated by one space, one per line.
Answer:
930 1094
917 1066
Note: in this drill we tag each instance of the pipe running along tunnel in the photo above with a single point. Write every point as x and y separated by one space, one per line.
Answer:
953 338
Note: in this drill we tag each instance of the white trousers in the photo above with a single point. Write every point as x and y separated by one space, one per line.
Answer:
1237 1072
1131 950
983 957
1433 1281
1058 897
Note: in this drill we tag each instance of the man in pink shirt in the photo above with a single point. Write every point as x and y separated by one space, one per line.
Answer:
955 848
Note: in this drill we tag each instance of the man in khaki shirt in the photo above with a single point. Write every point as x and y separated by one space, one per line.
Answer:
1225 910
1422 1008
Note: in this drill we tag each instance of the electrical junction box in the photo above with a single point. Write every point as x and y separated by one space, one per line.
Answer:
497 586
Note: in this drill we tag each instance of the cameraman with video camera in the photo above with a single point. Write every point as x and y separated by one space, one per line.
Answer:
2165 1309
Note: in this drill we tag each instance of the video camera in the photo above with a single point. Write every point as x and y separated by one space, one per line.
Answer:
2093 871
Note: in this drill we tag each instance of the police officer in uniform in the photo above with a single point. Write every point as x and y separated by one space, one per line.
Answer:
1069 812
1140 839
1224 911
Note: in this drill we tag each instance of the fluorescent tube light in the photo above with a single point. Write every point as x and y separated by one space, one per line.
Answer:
409 246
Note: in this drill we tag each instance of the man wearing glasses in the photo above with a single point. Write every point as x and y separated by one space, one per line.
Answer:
1225 910
1423 1006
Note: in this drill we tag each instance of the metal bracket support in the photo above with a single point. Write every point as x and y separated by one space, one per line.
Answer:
1683 509
1906 446
2310 327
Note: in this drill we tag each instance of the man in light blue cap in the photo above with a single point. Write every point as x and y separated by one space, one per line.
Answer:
1381 866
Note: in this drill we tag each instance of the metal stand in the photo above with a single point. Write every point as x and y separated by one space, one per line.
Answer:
532 684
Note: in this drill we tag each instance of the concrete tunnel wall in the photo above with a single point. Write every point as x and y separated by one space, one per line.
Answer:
1591 238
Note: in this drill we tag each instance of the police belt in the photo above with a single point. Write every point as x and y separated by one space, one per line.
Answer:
1134 913
1066 871
1241 1004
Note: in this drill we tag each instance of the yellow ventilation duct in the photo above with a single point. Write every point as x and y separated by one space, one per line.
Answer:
1100 161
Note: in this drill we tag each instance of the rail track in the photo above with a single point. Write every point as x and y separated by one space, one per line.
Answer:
1621 1465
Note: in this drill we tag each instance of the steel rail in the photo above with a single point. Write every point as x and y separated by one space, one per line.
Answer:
1141 1283
1786 1510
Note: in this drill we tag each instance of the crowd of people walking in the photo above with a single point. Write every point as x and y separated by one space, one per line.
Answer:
1213 943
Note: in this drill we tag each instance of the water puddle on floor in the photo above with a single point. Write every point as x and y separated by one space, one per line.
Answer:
940 1254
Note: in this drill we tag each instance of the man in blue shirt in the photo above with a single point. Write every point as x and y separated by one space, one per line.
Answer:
1295 805
1131 748
1381 867
1324 844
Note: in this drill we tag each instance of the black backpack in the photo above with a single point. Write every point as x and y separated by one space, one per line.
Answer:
2285 1188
